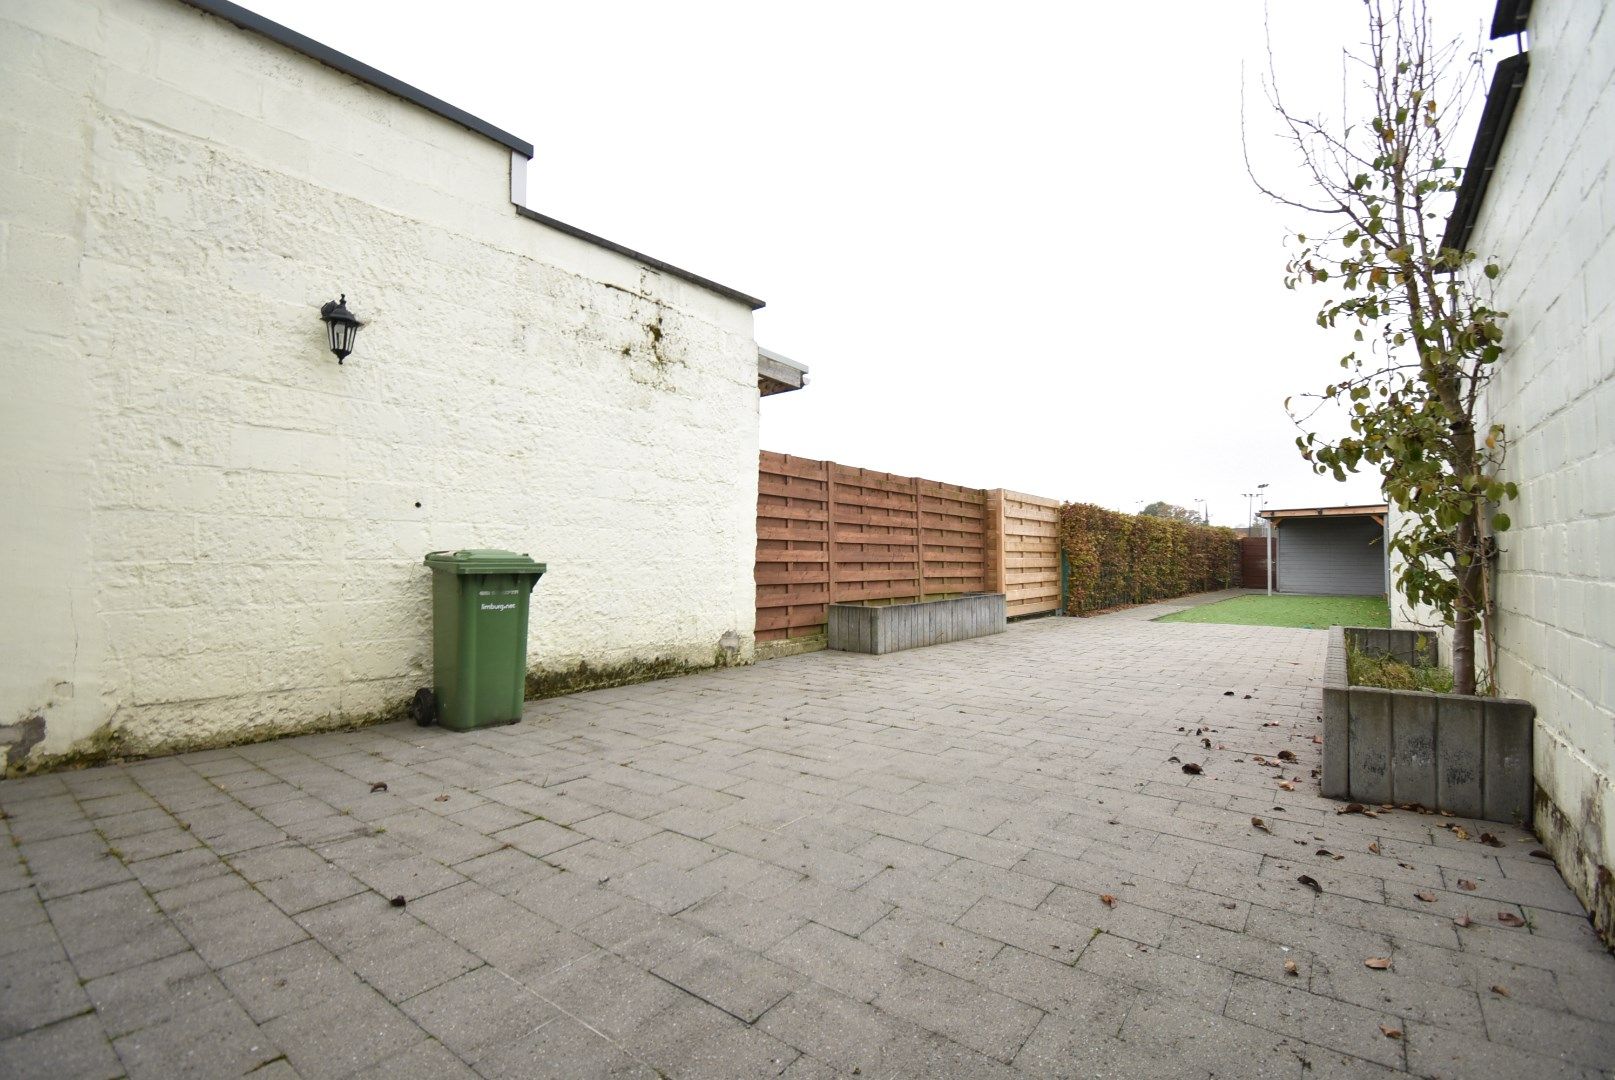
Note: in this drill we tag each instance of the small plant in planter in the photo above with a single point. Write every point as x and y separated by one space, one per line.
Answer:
1389 673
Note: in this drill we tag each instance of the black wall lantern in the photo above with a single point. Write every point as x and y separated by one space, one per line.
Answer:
341 326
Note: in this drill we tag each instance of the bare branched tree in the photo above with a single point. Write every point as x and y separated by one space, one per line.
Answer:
1428 337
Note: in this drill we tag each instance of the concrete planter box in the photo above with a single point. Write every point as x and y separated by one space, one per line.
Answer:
1467 755
885 628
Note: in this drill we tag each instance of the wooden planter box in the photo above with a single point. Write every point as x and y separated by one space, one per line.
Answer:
1466 755
885 628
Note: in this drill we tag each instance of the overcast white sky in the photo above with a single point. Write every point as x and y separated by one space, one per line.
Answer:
1015 243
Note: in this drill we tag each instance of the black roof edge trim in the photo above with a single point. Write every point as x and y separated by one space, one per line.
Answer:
285 35
1501 99
1509 17
640 257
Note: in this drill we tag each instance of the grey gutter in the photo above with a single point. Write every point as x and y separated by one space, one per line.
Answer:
285 35
640 257
1507 82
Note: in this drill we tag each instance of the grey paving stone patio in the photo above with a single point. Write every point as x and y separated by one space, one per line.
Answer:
978 860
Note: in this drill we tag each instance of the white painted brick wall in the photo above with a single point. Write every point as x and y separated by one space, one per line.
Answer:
212 526
1549 219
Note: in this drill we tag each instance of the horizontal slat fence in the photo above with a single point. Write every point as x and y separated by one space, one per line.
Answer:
1031 553
830 533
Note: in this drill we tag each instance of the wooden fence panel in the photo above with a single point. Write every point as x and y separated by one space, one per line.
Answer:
793 546
829 533
1031 553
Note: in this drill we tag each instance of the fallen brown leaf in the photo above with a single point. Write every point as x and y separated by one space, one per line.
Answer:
1318 739
398 901
1427 897
379 785
1464 920
1489 840
1407 866
1508 918
1206 743
1373 847
1287 785
1290 968
1351 808
1500 991
1460 832
1260 824
1378 963
1467 885
1310 882
1192 769
1390 1032
441 798
1286 755
1538 853
1107 899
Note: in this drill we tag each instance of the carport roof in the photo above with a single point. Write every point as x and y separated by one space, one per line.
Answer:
1366 510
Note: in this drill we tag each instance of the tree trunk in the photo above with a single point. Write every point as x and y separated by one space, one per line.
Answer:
1464 609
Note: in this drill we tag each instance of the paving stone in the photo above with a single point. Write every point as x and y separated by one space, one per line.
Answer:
1038 932
154 993
1447 1054
426 1060
216 1040
862 1040
612 995
409 960
72 864
933 942
692 1038
748 923
1310 1018
112 928
75 1047
640 933
341 1035
854 967
1056 987
285 980
34 995
1180 1039
564 1049
1549 1034
721 973
991 1023
478 1012
180 868
1157 971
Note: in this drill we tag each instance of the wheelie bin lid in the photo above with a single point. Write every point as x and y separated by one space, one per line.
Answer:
484 561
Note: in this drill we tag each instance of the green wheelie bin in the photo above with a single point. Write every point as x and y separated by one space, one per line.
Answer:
479 635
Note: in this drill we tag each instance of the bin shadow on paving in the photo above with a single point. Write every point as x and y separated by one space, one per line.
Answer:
979 859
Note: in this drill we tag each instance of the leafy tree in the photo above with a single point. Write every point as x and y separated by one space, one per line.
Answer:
1171 512
1428 337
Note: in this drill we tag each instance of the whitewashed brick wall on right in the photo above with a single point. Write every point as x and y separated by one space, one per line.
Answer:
1549 219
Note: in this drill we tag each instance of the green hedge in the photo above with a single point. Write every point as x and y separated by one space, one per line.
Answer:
1114 559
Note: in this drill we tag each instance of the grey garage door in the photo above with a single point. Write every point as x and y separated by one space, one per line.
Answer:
1331 556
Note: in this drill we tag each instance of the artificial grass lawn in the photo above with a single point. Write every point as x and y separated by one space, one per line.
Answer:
1312 612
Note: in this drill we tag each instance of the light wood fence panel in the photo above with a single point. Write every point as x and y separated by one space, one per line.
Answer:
1031 553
